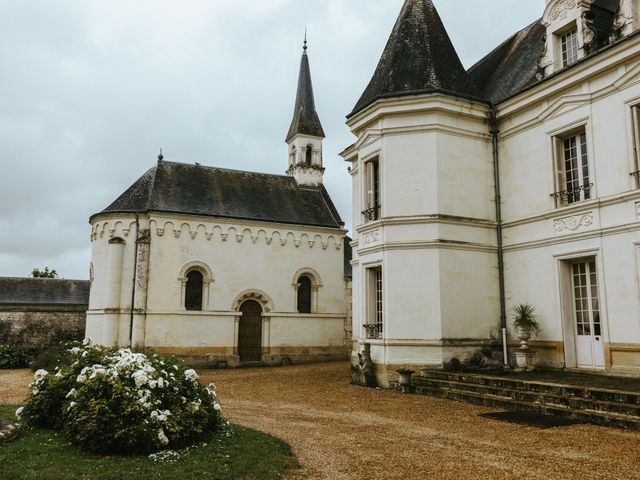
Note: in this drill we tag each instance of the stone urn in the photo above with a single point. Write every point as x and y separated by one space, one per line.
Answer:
524 335
405 376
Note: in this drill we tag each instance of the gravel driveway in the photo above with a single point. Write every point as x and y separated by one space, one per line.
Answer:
339 431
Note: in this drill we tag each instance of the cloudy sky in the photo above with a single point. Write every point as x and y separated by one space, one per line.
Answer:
91 89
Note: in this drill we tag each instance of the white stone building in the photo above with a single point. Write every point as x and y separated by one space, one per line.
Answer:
230 267
515 181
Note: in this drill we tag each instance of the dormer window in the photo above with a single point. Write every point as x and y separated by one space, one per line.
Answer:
569 47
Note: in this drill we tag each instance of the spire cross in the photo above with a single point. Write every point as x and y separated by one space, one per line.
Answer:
305 39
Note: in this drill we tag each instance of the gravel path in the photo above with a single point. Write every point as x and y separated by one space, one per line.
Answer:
339 431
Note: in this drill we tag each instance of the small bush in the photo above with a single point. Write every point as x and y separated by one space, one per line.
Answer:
51 357
15 357
116 401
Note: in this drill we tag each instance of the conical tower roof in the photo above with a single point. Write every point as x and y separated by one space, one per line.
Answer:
305 118
419 58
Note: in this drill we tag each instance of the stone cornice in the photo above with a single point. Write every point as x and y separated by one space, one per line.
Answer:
425 220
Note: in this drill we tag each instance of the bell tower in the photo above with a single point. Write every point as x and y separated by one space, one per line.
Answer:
304 140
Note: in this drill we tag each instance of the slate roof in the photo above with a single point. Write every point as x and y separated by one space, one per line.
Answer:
419 58
43 291
512 66
200 190
305 118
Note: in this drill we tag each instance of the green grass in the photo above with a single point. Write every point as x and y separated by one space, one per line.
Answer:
237 453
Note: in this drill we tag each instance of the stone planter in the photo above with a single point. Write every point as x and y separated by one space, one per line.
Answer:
405 377
524 336
525 360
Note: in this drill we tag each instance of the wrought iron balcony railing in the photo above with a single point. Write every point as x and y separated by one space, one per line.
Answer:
371 214
373 330
573 195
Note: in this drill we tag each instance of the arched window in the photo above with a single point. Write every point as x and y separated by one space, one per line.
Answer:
304 294
193 291
308 155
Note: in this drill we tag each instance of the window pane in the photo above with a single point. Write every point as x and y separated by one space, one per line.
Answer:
193 291
304 295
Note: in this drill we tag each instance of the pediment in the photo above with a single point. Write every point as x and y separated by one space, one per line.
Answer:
630 77
368 137
563 105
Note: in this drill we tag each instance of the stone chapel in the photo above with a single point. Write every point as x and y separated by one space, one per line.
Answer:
227 267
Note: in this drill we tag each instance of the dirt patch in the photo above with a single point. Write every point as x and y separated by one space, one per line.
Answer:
339 431
14 385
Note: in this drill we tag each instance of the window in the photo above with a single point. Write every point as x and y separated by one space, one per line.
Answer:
569 46
193 291
374 327
308 155
304 294
635 116
372 178
572 170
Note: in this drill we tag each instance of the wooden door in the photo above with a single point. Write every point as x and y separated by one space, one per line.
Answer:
250 332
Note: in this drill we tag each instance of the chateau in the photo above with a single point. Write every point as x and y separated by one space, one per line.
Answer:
512 182
226 267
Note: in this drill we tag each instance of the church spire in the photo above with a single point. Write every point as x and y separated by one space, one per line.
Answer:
305 118
304 139
419 58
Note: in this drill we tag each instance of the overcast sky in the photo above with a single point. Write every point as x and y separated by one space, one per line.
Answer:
91 89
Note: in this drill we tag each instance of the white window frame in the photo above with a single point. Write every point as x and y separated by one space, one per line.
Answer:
374 327
569 47
573 173
372 192
635 126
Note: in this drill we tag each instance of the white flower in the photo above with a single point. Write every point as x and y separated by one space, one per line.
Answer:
71 393
40 374
162 437
216 406
19 413
140 377
160 382
72 404
75 350
87 341
160 415
58 374
81 378
191 375
35 391
85 353
175 367
153 384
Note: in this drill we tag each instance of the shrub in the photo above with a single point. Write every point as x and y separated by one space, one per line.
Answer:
51 357
116 401
15 357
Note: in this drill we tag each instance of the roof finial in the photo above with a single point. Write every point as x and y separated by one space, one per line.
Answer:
161 156
305 39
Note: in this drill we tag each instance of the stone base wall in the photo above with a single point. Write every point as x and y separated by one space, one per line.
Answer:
39 327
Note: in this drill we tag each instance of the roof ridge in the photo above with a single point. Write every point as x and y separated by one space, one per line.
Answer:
213 167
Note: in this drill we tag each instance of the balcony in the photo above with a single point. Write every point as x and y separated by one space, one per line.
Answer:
373 331
371 214
573 195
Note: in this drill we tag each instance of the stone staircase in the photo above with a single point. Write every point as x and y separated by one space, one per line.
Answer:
601 406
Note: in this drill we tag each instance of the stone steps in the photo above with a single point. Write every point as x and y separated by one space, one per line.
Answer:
599 406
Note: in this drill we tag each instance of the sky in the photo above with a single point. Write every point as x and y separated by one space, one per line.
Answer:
92 89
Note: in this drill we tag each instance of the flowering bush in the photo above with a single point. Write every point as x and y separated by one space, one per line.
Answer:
117 401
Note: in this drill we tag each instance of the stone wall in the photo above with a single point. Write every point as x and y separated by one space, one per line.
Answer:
40 326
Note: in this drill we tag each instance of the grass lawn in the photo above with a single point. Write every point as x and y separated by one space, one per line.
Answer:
237 453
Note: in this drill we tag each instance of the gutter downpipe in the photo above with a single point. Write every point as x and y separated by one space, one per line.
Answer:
133 286
498 198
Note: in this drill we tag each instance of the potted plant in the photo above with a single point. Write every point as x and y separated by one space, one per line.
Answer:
525 323
405 373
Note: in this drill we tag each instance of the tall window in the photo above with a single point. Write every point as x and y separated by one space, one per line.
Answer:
372 178
375 325
569 46
635 115
308 155
304 294
572 170
193 291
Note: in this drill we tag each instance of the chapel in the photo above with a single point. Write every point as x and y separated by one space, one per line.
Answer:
512 182
227 267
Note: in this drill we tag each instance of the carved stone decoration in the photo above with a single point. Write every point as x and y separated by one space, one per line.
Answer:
370 238
160 231
363 373
562 7
638 209
588 34
623 23
177 233
573 223
258 295
193 235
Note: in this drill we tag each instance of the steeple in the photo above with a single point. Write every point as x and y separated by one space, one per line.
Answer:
305 135
419 58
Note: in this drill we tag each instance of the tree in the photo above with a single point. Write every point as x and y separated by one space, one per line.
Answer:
46 273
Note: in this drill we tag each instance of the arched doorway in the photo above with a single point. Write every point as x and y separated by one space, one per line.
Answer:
250 332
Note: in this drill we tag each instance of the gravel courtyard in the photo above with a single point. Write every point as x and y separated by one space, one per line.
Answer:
343 432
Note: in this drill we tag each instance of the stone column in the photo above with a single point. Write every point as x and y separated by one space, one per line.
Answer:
141 286
114 287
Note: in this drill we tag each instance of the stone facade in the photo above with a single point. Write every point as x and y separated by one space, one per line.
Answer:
426 266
